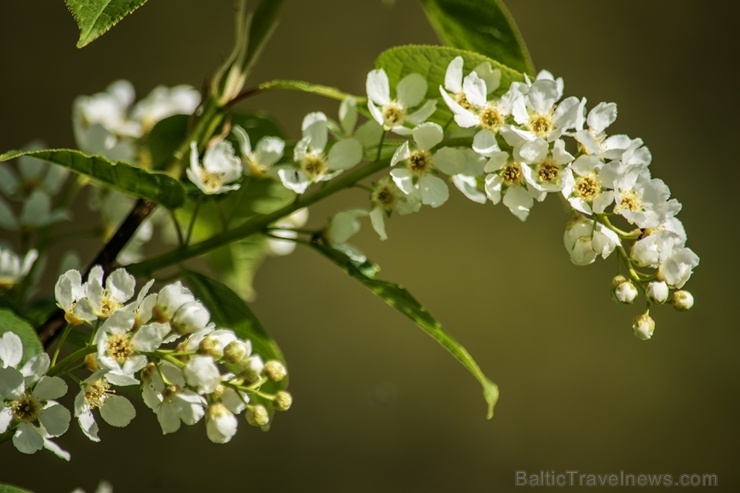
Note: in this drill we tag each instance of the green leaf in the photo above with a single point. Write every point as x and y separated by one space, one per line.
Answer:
482 26
431 63
263 23
122 177
165 138
400 299
10 322
95 17
9 488
237 263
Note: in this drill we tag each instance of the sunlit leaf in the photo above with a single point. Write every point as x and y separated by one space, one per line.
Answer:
400 299
482 26
95 17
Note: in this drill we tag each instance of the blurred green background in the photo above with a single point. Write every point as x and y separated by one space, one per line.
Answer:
379 407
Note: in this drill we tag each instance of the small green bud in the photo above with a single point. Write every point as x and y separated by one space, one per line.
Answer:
283 400
257 415
275 370
237 351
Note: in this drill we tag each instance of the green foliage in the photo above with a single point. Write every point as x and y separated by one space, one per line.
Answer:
431 63
483 26
165 138
10 322
264 21
400 299
95 17
122 177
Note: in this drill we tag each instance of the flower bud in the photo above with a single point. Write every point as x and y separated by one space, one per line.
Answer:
643 326
251 369
190 317
623 291
221 423
682 300
91 362
237 351
257 415
275 371
283 400
657 292
169 299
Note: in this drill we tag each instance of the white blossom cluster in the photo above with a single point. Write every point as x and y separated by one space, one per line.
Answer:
164 343
513 145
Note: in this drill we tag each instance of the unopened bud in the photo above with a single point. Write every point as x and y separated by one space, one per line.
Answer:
237 351
257 415
275 371
190 317
91 362
251 370
643 326
657 292
623 291
682 300
283 400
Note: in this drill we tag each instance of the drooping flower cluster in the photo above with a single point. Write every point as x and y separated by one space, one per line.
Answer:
163 342
514 145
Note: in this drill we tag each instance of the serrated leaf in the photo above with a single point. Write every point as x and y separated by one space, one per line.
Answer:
10 322
482 26
431 63
400 299
122 177
95 17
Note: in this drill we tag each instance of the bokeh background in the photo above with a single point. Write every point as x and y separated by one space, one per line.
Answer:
378 405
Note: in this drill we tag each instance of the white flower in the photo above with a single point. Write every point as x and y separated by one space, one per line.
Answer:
465 166
583 188
394 114
585 239
639 199
26 397
505 179
314 164
539 114
120 349
94 393
221 423
191 317
71 296
36 213
545 167
454 78
276 246
664 249
643 327
657 292
163 102
594 140
418 177
387 198
119 288
341 228
101 125
202 374
259 160
219 168
179 405
169 299
12 268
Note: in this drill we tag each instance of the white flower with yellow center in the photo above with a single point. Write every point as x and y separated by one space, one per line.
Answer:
219 169
313 163
641 200
594 139
395 113
27 405
505 179
585 239
386 198
583 187
71 296
418 177
539 114
545 167
259 160
94 394
122 350
119 288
